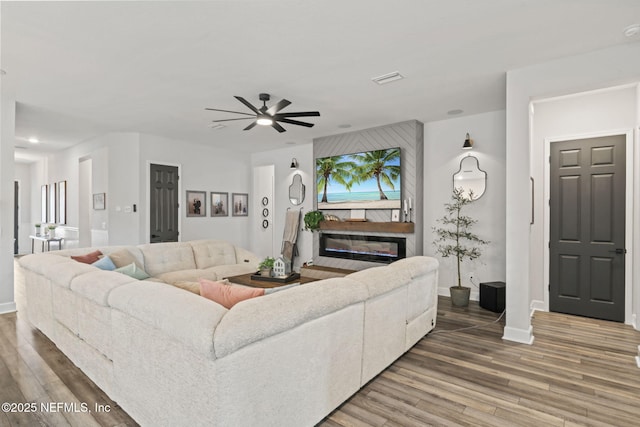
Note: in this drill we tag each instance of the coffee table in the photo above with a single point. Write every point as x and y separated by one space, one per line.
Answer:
246 280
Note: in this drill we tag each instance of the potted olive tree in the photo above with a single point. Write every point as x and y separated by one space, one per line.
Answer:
455 238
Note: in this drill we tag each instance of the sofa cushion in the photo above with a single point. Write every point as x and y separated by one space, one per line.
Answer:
187 318
89 258
259 318
211 253
225 294
97 285
193 287
122 258
173 277
164 257
132 270
105 263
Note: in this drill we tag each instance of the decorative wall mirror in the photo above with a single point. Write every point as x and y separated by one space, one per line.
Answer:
470 178
296 190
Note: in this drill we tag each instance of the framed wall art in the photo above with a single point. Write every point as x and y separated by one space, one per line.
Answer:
240 204
52 204
219 204
99 201
196 203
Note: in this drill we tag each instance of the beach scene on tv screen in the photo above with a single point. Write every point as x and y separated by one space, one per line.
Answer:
367 180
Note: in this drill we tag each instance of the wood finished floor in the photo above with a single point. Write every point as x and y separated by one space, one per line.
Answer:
577 372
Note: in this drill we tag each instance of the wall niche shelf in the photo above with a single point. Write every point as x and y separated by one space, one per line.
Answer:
384 227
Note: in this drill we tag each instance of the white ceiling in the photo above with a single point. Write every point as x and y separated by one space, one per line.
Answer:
80 69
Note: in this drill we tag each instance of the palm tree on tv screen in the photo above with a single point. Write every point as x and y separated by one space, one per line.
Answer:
375 164
333 168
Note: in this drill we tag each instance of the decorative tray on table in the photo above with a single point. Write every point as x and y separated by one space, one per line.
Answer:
280 279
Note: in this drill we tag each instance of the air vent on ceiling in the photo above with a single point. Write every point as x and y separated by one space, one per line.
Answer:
388 78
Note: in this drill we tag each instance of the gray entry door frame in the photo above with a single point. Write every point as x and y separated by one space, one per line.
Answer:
627 135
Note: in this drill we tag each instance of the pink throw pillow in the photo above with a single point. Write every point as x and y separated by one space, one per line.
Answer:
227 295
89 258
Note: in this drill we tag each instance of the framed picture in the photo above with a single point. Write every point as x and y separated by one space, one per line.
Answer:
62 202
52 203
240 203
196 203
44 205
99 202
219 204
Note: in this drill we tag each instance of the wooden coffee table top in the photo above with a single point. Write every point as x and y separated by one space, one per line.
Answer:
246 280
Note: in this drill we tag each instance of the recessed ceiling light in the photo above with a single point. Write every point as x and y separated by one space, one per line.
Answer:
34 140
217 126
387 78
454 112
631 30
344 126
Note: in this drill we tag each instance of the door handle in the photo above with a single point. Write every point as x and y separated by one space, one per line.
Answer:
619 251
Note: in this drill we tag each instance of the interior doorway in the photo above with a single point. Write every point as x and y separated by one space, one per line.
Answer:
16 216
163 203
587 227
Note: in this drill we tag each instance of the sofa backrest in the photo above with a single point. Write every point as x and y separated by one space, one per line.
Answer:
211 253
164 257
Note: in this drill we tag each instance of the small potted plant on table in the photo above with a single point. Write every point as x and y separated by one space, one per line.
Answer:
266 266
456 239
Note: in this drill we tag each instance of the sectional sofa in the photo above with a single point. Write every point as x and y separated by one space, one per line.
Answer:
170 357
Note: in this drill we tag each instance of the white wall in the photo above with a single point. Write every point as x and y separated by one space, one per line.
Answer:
202 168
281 159
7 143
599 69
442 154
612 110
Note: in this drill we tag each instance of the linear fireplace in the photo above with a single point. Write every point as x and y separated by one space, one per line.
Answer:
363 248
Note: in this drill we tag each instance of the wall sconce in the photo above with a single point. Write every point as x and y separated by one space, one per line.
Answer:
468 143
294 163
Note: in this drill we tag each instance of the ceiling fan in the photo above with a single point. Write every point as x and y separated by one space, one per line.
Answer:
269 116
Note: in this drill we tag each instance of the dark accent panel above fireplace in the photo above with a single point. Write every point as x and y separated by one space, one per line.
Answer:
363 248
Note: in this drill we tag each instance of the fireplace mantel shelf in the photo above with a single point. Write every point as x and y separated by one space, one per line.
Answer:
383 227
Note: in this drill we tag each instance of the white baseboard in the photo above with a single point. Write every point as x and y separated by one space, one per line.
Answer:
523 336
474 296
638 361
634 323
8 307
537 305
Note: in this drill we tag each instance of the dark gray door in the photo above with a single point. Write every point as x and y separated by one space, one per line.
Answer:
587 227
163 209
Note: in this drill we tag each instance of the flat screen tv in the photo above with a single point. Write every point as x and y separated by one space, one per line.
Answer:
367 180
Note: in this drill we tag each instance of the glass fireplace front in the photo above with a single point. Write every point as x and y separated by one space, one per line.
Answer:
363 248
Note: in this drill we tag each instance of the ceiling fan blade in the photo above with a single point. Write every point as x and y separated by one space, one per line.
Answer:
229 120
229 111
251 126
298 114
277 127
296 122
277 107
245 102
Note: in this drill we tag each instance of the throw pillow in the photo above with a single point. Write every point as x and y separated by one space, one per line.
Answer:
105 263
132 270
227 295
89 258
280 288
123 258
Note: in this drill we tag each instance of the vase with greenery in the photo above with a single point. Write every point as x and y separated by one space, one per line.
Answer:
312 220
456 239
38 226
265 266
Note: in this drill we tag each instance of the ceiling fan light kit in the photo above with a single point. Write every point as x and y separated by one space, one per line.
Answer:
268 116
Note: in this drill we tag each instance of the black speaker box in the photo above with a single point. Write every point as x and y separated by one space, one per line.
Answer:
492 296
